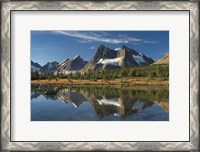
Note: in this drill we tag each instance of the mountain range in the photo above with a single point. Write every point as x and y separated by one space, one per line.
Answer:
104 58
35 66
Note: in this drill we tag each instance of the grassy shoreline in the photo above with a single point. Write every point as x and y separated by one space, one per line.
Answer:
121 81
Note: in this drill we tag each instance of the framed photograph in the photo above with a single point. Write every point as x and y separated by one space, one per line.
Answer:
109 75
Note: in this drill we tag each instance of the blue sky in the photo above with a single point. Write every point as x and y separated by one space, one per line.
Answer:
48 46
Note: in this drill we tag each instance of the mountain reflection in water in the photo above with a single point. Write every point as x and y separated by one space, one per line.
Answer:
101 103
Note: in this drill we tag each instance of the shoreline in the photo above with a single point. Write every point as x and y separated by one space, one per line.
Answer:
143 81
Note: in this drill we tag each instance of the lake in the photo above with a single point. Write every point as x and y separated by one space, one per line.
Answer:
100 103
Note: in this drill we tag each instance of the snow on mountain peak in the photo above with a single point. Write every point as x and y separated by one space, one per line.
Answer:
141 54
118 49
76 56
114 61
138 58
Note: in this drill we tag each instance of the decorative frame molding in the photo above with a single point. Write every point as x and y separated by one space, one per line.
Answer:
8 6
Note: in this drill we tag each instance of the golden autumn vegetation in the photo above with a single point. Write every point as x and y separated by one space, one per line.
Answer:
118 81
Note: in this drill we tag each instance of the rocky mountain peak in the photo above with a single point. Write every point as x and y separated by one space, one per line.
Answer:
66 60
130 50
35 66
102 46
106 58
54 62
63 62
77 57
49 67
104 52
71 66
124 47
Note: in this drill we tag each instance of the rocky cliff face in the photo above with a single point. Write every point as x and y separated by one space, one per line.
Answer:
71 66
104 52
35 66
49 67
106 58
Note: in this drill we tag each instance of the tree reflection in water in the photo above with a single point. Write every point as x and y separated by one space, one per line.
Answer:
117 101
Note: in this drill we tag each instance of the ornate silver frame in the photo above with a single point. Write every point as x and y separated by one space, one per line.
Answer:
8 6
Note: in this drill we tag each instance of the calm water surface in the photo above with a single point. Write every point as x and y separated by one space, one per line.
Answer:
100 103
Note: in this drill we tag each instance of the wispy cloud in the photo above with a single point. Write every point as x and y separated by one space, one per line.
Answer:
136 40
85 41
149 42
131 39
92 47
102 37
91 37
